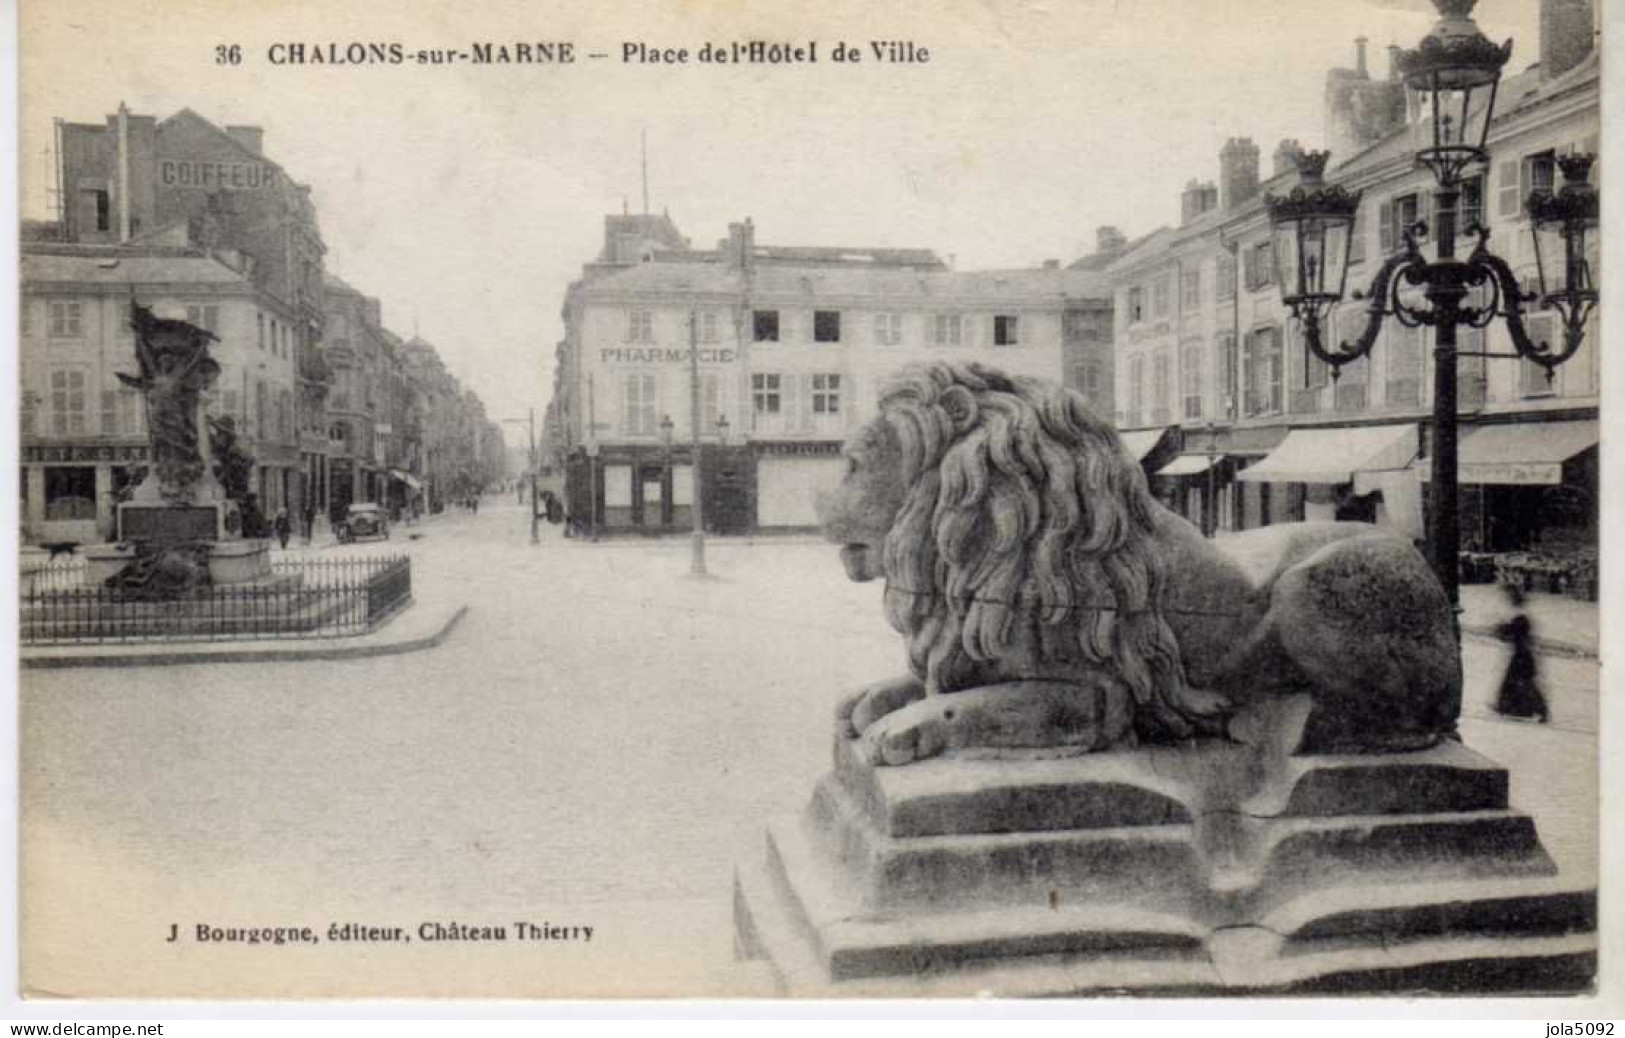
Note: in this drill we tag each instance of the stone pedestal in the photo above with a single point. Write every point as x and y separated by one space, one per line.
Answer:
230 562
1206 870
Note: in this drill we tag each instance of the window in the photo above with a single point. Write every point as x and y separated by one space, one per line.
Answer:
1079 326
1357 237
1136 305
1159 297
1160 386
889 329
1405 348
262 423
1136 390
67 402
826 394
1086 379
826 326
1262 376
949 329
764 391
1471 206
67 319
70 492
764 326
1315 371
1394 218
205 317
640 326
259 330
1190 380
1225 347
1190 288
1224 278
1260 261
710 401
638 396
708 326
1005 330
1532 380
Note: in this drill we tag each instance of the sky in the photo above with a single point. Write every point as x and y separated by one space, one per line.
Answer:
467 198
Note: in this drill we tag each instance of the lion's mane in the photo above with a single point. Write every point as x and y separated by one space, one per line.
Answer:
1026 512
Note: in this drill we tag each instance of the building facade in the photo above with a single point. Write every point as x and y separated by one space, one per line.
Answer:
785 352
1242 426
197 220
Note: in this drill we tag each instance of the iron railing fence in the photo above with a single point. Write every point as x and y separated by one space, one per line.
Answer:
316 598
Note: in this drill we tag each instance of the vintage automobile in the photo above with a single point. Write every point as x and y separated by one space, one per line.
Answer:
364 519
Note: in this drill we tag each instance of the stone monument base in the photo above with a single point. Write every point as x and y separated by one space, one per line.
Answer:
1207 870
244 561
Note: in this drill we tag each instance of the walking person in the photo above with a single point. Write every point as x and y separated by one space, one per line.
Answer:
310 521
282 527
1520 688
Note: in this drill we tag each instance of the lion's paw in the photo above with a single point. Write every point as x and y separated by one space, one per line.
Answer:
913 733
858 711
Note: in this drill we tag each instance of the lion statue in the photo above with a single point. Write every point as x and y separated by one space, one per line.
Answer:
1049 602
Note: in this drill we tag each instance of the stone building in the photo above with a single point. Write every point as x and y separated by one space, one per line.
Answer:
1243 426
146 205
84 440
792 346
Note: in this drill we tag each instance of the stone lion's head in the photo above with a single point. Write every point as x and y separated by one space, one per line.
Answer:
1013 531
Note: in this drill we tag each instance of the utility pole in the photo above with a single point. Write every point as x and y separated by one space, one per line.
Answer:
535 518
697 491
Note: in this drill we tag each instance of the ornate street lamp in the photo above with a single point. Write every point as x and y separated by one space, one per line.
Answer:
722 429
667 427
1453 74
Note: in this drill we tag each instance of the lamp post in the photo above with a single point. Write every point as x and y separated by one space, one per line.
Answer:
535 518
722 429
696 506
667 427
1454 73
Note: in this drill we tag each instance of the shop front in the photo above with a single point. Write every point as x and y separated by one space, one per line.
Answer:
1351 473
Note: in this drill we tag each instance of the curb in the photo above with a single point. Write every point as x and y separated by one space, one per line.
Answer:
1543 646
284 655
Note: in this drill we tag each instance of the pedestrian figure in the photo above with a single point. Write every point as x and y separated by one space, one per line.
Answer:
1520 689
282 527
310 521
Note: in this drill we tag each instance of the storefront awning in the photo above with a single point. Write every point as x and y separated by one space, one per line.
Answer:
407 478
1525 453
1335 455
1189 465
1141 442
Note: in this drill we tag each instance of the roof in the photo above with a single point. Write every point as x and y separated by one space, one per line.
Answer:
840 282
108 266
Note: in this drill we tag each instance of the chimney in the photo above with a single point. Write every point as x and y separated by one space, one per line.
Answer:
1285 159
123 173
1238 171
250 137
1052 264
1565 35
1109 240
1394 51
1359 57
741 244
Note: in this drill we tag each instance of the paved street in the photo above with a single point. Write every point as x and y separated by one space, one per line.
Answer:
595 745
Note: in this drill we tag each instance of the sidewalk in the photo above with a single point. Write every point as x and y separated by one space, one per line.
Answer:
1563 626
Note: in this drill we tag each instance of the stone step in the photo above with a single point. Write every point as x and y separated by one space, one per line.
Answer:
1506 935
1148 787
1233 866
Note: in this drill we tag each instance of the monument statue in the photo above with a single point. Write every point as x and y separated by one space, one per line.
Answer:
1127 758
176 370
177 529
1047 600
